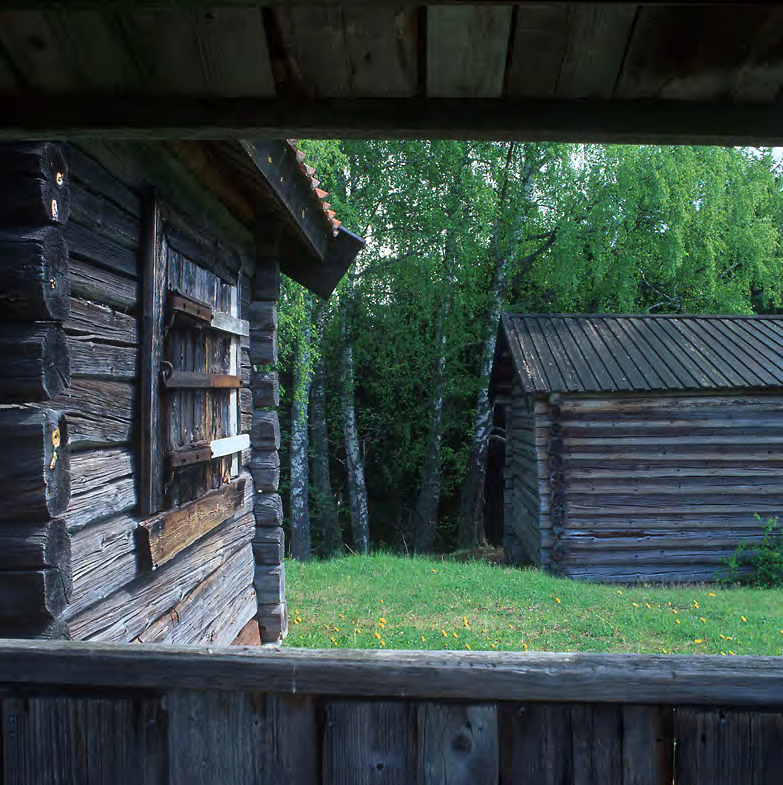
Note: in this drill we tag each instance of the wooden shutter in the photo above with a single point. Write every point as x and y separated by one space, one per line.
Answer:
191 360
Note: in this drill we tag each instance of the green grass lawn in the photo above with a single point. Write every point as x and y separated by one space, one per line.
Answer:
384 601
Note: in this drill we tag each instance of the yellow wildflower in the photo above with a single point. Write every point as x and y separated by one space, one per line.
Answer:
434 570
678 621
341 616
378 635
557 600
467 646
422 637
636 605
381 602
664 651
648 605
619 592
696 603
743 618
358 631
712 594
383 643
698 640
296 621
455 634
337 629
703 619
731 652
444 633
723 653
493 645
383 621
485 630
333 640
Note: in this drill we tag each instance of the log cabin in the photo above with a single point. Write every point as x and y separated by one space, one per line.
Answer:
638 448
138 400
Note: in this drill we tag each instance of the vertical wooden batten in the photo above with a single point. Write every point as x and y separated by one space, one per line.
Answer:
154 293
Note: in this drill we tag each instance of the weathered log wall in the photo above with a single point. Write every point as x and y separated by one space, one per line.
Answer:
268 540
72 522
522 482
654 487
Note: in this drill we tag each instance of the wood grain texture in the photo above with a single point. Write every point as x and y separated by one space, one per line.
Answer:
86 740
36 362
131 609
457 745
368 741
168 534
103 501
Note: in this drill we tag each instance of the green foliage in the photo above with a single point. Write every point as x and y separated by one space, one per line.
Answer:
637 229
502 609
758 563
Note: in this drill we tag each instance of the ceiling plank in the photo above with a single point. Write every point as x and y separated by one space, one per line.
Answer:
467 47
761 76
34 49
177 117
540 39
352 51
598 37
166 48
689 53
234 54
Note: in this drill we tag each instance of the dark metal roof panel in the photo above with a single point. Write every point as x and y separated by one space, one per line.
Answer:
635 353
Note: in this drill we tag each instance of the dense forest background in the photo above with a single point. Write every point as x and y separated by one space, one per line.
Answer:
385 413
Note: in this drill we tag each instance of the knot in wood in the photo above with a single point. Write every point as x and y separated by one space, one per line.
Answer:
461 743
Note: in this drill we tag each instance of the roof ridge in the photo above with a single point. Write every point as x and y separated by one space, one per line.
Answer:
517 314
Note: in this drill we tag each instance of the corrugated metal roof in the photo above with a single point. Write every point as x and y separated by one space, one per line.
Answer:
602 353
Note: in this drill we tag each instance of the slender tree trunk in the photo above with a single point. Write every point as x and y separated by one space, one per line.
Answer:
425 514
325 507
357 491
300 475
471 510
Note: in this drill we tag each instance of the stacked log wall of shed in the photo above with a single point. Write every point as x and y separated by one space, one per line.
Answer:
523 478
35 554
661 487
268 539
110 593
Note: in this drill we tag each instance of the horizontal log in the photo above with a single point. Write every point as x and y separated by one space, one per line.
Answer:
232 618
168 534
268 509
263 347
31 596
90 469
105 501
676 680
93 321
608 504
40 630
266 390
36 365
35 187
130 610
201 381
91 359
98 412
93 283
748 440
88 245
32 546
99 214
34 270
104 560
648 521
272 622
578 540
663 471
265 434
668 486
680 406
680 558
86 170
262 316
190 620
650 573
269 583
35 476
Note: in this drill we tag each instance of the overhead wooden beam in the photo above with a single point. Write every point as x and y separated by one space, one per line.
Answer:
580 120
197 4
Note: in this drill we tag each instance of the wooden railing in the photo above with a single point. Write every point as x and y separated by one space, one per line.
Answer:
76 712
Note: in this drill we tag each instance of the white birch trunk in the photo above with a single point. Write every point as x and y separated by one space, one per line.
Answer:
300 476
357 490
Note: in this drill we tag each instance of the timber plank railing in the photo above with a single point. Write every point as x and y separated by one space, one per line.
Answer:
78 712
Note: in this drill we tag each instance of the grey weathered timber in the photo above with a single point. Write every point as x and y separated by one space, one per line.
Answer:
128 611
98 412
34 267
272 622
263 346
161 538
101 502
368 741
91 469
268 509
265 468
92 283
29 596
91 321
155 264
266 390
35 187
269 583
265 434
36 364
85 740
268 546
104 559
35 476
457 744
98 360
473 676
37 546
